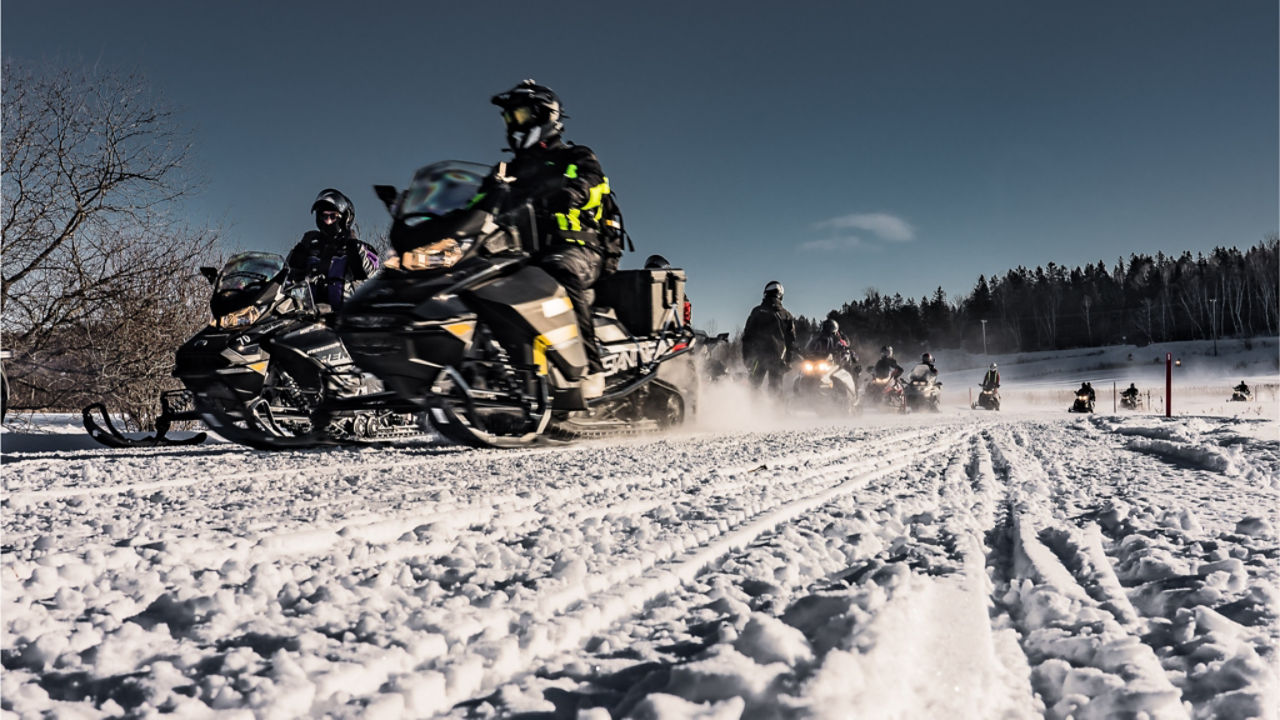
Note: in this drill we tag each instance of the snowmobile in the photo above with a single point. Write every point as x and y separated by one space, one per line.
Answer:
267 371
1131 401
988 399
1241 394
922 389
1082 404
886 391
824 384
463 324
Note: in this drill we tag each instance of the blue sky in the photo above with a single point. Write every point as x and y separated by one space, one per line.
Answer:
833 146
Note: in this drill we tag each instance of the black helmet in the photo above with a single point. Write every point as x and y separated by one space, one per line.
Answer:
656 262
532 112
887 351
330 199
773 286
830 326
926 358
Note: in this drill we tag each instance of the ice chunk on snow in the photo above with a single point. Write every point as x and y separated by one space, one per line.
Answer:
660 706
1255 527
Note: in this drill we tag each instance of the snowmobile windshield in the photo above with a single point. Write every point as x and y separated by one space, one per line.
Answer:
920 373
441 188
247 270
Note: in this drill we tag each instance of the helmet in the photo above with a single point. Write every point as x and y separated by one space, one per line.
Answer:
330 199
773 286
830 326
656 262
887 351
993 366
532 113
926 358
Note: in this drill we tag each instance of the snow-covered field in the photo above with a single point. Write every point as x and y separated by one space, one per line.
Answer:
1028 563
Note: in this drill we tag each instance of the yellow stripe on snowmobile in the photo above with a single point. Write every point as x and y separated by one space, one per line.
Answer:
540 345
259 367
462 330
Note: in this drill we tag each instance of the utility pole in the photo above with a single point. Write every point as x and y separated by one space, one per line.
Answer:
1213 323
984 337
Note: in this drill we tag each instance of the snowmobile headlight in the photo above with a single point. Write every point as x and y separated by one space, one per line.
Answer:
823 367
239 318
440 254
808 367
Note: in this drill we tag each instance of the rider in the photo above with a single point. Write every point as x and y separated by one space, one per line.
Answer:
1130 392
991 380
886 367
830 341
566 186
769 339
331 258
927 359
1087 389
1242 388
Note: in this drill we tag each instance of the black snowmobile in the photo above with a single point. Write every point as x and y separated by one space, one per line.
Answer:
824 385
988 399
1083 403
922 389
1130 401
462 324
1241 393
267 372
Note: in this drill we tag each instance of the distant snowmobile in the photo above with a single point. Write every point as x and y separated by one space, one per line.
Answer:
1082 404
922 389
886 392
267 372
824 385
988 399
461 323
1241 393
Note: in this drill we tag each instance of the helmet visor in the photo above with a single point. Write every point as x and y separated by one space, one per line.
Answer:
519 116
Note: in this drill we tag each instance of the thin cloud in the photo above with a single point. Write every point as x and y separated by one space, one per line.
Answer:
883 225
837 243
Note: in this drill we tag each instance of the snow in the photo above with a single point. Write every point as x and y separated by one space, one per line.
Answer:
1027 563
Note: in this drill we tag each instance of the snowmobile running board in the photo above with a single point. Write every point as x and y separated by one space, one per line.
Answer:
107 433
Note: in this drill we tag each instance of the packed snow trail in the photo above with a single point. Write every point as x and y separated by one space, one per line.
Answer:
953 565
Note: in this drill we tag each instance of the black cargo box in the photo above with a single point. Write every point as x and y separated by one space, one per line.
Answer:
643 299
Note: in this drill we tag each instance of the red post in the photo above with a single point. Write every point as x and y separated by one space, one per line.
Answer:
1114 409
1168 384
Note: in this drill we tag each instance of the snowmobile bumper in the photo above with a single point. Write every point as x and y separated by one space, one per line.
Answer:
176 406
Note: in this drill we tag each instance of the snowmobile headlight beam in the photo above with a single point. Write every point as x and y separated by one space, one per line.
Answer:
440 254
240 318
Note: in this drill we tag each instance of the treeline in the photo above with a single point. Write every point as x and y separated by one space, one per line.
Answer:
1227 293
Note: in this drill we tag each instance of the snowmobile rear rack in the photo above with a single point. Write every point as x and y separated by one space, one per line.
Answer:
105 431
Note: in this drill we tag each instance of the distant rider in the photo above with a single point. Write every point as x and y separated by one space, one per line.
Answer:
769 339
566 186
886 367
331 258
1242 388
991 380
927 360
1087 389
1130 392
830 341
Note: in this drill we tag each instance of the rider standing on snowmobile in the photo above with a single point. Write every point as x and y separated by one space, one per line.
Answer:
566 186
769 339
886 367
830 341
331 258
991 380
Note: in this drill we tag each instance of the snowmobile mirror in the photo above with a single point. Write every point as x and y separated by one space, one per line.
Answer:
209 273
388 194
